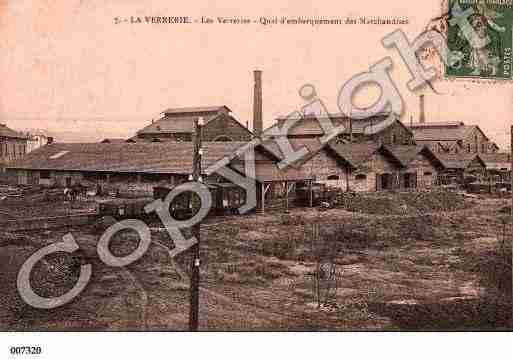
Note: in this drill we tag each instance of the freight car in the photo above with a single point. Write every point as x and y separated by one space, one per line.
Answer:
226 199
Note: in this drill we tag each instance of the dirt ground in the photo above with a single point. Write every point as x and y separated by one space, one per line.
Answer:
407 271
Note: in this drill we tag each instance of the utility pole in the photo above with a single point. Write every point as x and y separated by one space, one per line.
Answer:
351 127
195 265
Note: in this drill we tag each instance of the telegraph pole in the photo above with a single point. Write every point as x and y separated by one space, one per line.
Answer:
195 265
351 127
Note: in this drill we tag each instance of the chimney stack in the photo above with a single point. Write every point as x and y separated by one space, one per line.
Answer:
422 114
258 125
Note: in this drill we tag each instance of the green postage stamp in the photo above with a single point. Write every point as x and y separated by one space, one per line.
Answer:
479 37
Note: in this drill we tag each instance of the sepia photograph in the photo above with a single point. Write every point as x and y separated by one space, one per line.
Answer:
278 166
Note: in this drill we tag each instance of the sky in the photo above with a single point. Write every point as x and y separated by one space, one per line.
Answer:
67 68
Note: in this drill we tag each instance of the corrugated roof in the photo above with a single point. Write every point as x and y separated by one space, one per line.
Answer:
165 157
7 132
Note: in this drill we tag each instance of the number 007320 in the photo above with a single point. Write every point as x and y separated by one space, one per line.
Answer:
25 350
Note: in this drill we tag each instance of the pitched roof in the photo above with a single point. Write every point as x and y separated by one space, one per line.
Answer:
442 131
185 110
435 124
7 132
405 154
355 153
313 125
182 124
114 140
165 157
458 161
496 157
312 146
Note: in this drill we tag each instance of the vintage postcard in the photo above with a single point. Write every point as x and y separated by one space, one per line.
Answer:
267 166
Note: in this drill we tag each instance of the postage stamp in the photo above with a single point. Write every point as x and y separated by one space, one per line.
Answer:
479 36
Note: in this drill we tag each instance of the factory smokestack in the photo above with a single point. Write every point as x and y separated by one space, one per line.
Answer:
422 114
258 125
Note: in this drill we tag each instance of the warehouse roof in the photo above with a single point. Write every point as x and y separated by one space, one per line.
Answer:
442 131
199 109
355 153
165 157
406 154
313 125
459 161
183 123
7 132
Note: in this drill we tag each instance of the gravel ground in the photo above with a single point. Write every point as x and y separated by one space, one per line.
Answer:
396 272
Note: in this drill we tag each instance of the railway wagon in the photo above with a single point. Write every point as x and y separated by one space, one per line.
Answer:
124 207
226 199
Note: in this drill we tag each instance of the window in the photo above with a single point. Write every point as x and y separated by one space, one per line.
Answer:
468 148
428 174
333 177
483 148
361 177
44 175
394 138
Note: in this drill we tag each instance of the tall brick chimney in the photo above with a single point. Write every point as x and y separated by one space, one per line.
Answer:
422 114
258 125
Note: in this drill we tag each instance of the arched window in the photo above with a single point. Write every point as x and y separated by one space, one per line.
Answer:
361 177
333 178
223 138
